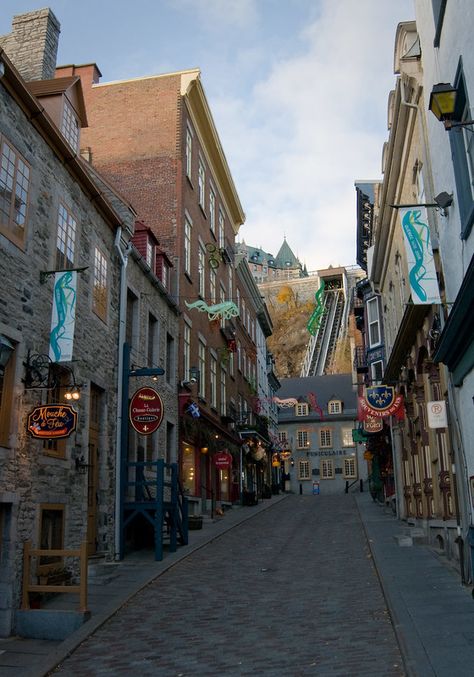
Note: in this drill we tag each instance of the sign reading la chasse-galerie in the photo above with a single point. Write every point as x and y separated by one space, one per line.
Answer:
146 411
52 421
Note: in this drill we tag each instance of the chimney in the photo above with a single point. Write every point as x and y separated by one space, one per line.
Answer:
32 46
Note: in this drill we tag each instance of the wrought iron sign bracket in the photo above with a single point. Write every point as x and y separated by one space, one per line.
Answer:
44 274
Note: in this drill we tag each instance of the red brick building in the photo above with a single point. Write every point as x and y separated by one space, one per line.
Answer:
155 140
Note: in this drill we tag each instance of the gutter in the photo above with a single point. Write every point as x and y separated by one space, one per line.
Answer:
123 257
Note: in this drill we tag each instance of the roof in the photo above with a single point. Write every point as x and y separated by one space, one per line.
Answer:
326 388
285 257
42 88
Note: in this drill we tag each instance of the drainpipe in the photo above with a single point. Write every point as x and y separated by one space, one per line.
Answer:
123 256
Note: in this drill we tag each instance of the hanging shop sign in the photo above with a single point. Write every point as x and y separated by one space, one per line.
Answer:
146 411
52 421
420 259
380 401
437 417
372 424
222 460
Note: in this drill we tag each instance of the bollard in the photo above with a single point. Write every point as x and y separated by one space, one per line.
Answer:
347 486
361 486
301 488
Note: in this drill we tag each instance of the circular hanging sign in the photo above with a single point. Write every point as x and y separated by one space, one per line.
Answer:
146 411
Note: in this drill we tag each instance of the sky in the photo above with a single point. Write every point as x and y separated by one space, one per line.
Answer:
298 90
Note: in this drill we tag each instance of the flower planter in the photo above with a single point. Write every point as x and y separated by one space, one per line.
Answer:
194 522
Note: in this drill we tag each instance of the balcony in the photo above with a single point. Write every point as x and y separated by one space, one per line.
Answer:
360 360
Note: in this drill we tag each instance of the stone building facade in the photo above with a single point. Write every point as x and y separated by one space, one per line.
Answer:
58 217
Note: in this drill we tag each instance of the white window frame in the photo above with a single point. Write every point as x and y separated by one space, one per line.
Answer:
335 407
212 210
186 350
65 238
70 127
213 379
212 285
373 372
301 409
202 270
189 152
302 439
326 469
201 182
346 437
202 368
325 438
373 322
221 238
304 470
223 389
187 244
349 467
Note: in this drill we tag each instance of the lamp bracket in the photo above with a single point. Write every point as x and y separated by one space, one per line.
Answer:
37 372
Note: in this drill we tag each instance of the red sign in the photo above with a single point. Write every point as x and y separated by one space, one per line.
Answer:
146 411
53 421
222 460
372 424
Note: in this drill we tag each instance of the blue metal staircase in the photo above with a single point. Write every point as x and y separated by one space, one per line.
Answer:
151 490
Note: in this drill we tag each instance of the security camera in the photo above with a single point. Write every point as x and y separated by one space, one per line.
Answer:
193 379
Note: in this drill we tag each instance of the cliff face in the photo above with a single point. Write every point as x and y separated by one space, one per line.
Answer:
290 336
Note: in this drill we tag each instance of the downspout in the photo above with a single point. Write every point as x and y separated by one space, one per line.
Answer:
123 256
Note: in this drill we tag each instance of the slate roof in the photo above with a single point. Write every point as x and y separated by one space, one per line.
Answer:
326 388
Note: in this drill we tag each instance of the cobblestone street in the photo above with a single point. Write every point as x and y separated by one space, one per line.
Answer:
292 591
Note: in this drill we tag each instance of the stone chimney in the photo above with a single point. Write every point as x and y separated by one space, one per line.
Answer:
32 46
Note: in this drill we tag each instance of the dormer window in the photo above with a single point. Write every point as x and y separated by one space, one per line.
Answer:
70 126
335 407
149 253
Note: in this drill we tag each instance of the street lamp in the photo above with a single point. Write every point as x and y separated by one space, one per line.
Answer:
443 99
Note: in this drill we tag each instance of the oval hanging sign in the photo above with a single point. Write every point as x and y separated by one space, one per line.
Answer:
52 421
222 459
146 411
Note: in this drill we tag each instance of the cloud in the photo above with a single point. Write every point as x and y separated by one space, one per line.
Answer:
312 126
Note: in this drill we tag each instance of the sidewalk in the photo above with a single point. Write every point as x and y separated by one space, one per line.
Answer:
433 614
21 657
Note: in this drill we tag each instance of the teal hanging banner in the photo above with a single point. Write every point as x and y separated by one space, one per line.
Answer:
61 338
420 260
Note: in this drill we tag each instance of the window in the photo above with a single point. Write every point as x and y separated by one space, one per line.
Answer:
301 409
213 381
221 229
201 182
283 437
189 152
6 395
170 359
334 407
326 469
439 7
374 323
202 270
149 254
302 441
51 535
346 437
99 295
202 369
186 351
376 372
70 126
212 285
212 211
223 392
66 238
152 340
231 284
325 438
462 150
187 246
304 472
14 186
131 324
350 468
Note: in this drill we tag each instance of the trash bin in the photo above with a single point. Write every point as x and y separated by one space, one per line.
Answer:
315 488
